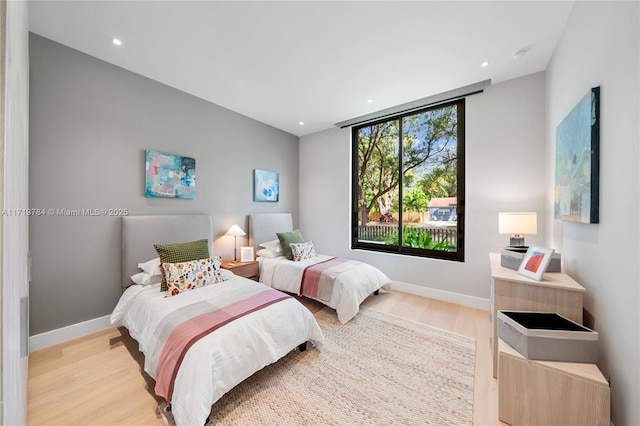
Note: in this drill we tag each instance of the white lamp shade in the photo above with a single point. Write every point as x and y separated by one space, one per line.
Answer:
518 223
235 231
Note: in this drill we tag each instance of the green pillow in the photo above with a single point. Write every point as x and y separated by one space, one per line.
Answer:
181 252
287 238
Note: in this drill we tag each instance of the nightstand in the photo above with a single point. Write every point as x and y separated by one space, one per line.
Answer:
249 270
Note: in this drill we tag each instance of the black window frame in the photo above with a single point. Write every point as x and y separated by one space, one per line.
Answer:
458 255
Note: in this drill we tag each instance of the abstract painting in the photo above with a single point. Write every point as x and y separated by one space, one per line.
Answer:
577 184
169 175
266 186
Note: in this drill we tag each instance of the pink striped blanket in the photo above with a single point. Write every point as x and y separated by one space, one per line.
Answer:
318 279
181 335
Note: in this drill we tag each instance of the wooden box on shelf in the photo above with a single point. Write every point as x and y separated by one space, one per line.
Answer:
249 270
532 393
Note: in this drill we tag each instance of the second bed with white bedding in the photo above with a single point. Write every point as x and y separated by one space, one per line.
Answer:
352 281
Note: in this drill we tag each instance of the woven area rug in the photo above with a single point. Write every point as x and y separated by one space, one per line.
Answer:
376 369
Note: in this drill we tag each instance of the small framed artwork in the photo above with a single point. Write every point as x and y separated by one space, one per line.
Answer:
535 262
246 254
266 186
169 175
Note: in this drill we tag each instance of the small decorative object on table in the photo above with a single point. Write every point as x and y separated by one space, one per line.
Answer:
246 254
511 257
535 262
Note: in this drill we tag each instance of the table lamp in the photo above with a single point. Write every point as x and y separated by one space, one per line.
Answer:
235 231
518 224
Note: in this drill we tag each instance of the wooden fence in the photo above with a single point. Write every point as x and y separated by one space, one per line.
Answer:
381 232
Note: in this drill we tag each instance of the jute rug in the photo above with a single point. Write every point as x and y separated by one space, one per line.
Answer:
376 369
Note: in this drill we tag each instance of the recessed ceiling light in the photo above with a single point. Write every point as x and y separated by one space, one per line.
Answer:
301 123
370 100
117 42
484 64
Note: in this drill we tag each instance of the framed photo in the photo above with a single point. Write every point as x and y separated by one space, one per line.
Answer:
266 186
535 262
246 254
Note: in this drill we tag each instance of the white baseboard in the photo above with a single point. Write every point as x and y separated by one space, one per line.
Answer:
63 334
447 296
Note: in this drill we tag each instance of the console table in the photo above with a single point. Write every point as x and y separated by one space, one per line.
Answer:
557 292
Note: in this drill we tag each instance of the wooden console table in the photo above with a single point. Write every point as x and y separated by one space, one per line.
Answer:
557 292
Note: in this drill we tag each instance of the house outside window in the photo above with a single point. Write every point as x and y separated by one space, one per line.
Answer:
408 183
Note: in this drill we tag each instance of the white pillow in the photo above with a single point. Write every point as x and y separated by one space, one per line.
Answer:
272 245
268 253
151 267
142 278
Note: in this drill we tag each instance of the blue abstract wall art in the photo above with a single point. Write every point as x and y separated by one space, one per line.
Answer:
577 183
169 175
266 186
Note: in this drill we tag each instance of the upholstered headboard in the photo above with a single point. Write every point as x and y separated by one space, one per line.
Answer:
263 226
140 233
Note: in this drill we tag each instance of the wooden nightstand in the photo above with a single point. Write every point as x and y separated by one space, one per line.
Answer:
249 270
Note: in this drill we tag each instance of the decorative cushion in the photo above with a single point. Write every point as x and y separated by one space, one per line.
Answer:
183 276
287 238
151 267
272 245
181 252
302 251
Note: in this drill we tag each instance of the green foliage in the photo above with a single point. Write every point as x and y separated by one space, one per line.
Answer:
415 200
441 181
419 238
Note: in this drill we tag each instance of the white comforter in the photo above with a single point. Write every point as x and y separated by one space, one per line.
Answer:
224 358
350 288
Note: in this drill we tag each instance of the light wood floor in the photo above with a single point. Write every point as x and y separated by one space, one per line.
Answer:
99 379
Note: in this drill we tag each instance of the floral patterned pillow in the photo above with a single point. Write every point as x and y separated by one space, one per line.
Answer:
302 251
185 276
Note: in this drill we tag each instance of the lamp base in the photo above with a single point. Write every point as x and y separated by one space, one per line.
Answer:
516 240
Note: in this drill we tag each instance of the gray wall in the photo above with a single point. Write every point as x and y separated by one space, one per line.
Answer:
504 154
90 123
600 47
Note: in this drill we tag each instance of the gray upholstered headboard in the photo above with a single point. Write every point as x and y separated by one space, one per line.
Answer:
263 226
140 233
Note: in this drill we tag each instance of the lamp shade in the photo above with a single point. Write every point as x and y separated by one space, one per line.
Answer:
518 223
235 231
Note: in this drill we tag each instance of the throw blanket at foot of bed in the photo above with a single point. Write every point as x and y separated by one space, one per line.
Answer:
181 329
318 280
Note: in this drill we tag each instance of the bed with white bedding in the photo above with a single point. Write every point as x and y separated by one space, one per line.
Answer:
341 284
253 325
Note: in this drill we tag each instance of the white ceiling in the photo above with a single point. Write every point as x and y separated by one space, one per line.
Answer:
316 62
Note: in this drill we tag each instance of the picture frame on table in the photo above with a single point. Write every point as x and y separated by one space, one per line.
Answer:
535 262
246 254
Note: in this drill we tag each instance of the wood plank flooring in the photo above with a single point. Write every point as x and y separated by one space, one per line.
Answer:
99 379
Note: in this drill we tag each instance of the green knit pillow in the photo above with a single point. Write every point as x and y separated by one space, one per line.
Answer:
181 252
287 238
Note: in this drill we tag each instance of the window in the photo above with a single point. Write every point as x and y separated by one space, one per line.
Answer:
408 183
